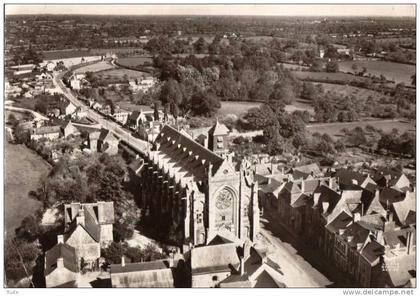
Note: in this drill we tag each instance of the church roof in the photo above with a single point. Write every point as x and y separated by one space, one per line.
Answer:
218 129
186 153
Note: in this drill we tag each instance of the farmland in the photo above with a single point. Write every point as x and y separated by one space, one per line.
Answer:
67 53
392 71
324 76
23 167
119 75
239 108
334 129
97 67
134 61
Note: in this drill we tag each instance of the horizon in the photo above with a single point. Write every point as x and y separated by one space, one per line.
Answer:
230 9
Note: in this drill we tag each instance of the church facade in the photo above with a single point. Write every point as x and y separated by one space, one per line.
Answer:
194 193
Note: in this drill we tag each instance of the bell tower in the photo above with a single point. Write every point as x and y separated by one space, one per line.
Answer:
217 138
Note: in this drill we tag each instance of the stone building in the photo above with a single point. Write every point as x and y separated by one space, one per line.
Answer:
194 192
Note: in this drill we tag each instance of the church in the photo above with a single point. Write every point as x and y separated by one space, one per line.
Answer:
195 192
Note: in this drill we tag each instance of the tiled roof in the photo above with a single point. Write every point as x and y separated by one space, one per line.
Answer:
308 169
389 196
64 251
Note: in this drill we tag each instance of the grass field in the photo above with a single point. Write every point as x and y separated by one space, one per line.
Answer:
118 74
392 71
334 129
324 76
101 66
361 94
23 167
66 53
134 61
236 108
239 108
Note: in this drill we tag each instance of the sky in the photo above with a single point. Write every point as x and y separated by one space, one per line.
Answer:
233 9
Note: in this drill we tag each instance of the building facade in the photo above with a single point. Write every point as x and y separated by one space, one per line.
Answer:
196 193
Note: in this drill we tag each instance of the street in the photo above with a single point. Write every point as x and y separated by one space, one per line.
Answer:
124 135
298 273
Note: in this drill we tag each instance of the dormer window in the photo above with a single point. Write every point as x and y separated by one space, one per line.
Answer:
219 139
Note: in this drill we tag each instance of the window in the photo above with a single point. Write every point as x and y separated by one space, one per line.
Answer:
220 145
223 218
219 139
215 278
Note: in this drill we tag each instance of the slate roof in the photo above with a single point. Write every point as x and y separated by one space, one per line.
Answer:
106 135
346 177
169 140
404 207
326 196
306 170
64 251
218 129
46 130
214 258
372 251
154 274
358 232
389 196
340 222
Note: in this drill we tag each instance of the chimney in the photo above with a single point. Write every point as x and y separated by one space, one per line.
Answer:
268 181
303 186
356 217
409 243
242 267
60 239
122 260
60 263
341 231
246 249
359 246
171 262
330 182
80 219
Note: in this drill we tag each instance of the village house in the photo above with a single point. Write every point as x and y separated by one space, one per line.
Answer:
61 266
70 130
88 227
107 142
154 274
47 132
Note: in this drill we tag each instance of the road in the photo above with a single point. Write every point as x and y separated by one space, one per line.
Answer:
36 115
122 134
298 273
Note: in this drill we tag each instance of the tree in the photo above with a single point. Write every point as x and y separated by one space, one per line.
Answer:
259 118
200 45
205 103
19 259
331 66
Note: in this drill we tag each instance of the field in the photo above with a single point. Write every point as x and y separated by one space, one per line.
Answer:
293 67
334 129
119 74
134 61
347 90
23 167
66 53
126 105
239 108
236 108
101 66
324 76
392 71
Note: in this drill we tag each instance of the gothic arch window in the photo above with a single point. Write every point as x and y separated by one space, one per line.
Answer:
225 208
